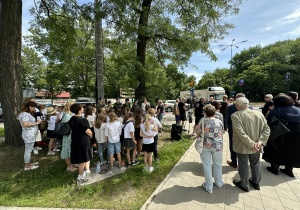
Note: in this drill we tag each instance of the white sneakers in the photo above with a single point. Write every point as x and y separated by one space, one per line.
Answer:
33 166
150 169
35 151
86 175
51 153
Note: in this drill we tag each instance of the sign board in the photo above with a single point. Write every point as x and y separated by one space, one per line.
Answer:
58 102
192 91
232 91
241 82
192 83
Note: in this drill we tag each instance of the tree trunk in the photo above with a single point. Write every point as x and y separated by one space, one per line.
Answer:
141 49
99 51
10 68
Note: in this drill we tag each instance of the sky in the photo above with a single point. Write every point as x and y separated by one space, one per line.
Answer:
261 22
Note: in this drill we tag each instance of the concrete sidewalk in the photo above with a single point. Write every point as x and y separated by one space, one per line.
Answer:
182 189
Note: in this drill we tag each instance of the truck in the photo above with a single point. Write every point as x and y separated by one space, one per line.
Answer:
216 92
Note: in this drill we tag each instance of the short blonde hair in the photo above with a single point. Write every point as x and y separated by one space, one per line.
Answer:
151 112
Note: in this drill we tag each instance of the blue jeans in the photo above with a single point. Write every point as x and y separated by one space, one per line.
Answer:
160 116
206 156
101 146
177 117
112 147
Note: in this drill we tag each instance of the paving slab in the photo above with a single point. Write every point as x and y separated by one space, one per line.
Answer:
181 189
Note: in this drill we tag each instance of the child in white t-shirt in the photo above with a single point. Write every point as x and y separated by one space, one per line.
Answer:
129 141
99 129
113 131
147 132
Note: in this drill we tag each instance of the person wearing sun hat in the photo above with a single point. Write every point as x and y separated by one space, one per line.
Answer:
127 104
100 104
135 105
118 104
51 118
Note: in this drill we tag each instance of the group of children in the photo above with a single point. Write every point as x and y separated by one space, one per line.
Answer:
116 130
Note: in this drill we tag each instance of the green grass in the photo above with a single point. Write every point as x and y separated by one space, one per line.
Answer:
1 132
52 186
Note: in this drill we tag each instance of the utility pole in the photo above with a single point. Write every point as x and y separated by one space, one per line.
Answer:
288 78
225 47
99 50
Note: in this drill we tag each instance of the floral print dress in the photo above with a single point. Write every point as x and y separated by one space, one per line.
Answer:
66 142
28 133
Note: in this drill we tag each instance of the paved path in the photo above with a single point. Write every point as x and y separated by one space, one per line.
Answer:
182 189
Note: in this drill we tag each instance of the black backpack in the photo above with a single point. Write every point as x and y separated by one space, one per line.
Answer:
122 133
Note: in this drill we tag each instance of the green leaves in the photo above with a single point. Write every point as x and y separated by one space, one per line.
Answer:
262 68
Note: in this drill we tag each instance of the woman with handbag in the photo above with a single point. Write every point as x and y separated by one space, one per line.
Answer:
66 141
212 147
29 130
284 149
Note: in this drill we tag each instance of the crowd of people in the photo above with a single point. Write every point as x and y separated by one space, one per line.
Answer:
248 132
116 130
124 130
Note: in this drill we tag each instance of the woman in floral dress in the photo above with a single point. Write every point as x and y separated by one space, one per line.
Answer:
66 142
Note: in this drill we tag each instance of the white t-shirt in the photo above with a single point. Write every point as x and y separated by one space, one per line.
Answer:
144 106
51 123
156 123
100 133
128 128
90 118
149 132
113 131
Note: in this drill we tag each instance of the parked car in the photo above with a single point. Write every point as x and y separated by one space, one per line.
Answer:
1 114
169 104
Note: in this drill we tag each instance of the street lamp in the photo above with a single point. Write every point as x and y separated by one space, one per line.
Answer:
225 47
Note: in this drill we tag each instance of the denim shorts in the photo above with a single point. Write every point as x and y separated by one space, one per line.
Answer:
114 148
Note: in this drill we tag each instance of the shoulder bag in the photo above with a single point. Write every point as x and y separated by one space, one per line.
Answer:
199 140
62 128
277 127
38 136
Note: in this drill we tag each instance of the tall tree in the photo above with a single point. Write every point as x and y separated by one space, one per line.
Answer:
33 69
10 68
172 29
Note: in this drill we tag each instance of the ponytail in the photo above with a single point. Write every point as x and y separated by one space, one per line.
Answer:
147 124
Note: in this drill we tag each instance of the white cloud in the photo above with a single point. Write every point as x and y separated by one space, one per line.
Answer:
295 32
291 17
268 28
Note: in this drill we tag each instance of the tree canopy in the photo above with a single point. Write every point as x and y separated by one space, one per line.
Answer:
263 70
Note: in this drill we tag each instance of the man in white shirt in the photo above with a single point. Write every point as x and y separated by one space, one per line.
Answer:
144 104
